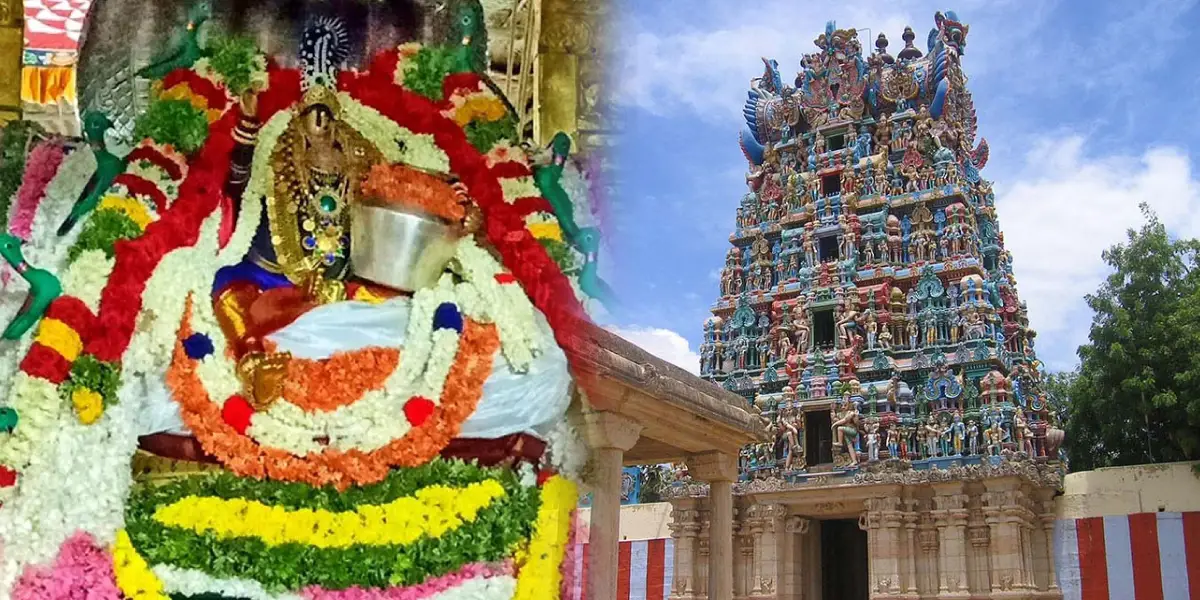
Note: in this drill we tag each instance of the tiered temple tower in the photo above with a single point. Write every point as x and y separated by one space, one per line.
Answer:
868 304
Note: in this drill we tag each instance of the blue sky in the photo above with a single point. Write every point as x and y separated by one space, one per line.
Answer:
1090 107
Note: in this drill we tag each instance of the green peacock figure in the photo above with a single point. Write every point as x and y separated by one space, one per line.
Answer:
44 287
461 25
108 167
187 50
584 239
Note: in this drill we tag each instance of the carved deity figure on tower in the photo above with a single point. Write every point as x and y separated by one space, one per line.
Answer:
845 429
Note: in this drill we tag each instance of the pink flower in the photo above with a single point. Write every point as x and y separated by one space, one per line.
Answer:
82 571
429 588
40 168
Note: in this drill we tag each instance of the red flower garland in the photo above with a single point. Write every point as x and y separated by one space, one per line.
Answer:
151 154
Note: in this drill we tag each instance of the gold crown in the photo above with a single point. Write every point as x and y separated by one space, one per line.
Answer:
319 95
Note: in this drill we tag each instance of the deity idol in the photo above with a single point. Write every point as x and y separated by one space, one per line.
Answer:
314 313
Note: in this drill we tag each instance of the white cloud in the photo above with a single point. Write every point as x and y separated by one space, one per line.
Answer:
1064 207
663 343
707 72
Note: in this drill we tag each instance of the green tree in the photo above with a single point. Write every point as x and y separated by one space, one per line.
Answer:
1057 387
1136 398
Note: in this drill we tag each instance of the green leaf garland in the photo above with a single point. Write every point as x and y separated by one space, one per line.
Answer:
91 373
235 59
493 536
173 122
425 71
102 231
484 135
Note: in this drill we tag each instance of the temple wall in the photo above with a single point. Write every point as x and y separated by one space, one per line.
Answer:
1169 487
1101 522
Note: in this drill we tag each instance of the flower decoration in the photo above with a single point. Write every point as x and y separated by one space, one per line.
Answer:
409 188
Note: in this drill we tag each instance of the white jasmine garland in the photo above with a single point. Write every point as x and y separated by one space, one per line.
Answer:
516 188
86 276
568 453
191 582
40 408
78 480
262 175
181 272
398 144
45 249
506 305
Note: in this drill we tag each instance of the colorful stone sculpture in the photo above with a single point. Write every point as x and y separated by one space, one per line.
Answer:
867 258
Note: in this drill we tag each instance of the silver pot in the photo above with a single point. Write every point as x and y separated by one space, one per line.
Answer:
401 249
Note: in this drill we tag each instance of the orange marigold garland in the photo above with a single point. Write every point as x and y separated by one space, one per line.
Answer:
340 380
245 457
410 188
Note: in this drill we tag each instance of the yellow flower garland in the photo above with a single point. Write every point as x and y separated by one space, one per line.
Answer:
135 210
88 404
546 231
432 511
133 575
539 576
59 337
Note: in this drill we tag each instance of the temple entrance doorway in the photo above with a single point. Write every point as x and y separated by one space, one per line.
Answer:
843 560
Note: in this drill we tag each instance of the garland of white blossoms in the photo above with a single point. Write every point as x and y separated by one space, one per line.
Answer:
398 144
425 363
78 480
516 188
190 582
37 401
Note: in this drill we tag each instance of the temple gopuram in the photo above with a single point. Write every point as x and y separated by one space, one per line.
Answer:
868 308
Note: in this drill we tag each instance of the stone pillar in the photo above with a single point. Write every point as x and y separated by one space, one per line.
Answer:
950 514
883 521
979 535
743 545
685 530
792 580
1005 517
928 562
719 470
770 550
1046 517
609 435
909 545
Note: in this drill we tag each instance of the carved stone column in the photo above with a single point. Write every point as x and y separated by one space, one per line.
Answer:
609 435
882 520
793 581
743 562
685 529
909 545
929 563
770 550
719 470
979 536
1006 517
950 514
1045 502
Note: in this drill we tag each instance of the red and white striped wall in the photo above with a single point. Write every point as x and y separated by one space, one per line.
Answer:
1146 556
644 569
